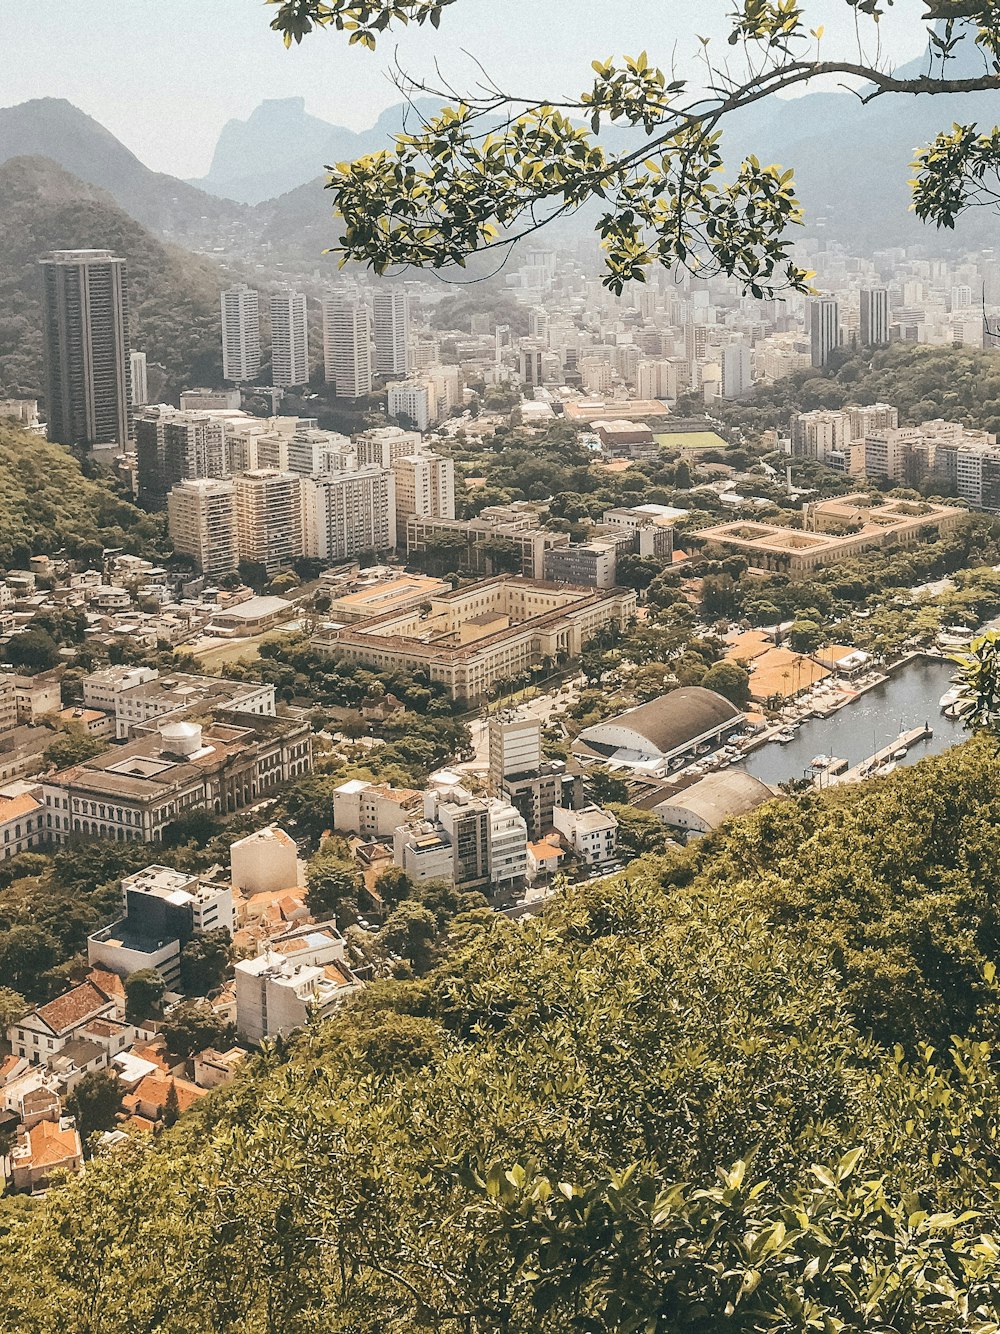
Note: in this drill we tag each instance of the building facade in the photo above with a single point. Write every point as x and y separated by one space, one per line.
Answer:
88 375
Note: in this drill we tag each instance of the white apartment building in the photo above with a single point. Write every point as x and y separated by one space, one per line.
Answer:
265 862
449 387
201 520
289 339
736 370
140 379
102 688
425 488
508 845
591 833
240 333
348 512
269 518
347 352
306 451
415 400
392 332
654 380
300 974
381 448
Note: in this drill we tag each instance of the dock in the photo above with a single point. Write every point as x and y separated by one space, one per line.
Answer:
903 742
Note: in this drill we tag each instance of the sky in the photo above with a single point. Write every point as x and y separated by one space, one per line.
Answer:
165 75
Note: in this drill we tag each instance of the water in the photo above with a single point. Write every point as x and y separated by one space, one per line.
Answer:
906 700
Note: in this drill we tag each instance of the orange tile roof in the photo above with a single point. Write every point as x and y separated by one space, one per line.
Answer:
781 672
49 1145
749 645
73 1007
110 983
12 808
544 851
154 1090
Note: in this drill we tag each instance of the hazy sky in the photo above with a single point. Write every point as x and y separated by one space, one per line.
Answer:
165 75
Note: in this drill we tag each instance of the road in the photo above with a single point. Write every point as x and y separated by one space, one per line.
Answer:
540 707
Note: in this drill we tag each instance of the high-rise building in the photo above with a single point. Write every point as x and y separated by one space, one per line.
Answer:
86 336
347 352
824 329
736 370
240 333
874 316
201 520
416 400
532 363
515 748
425 487
269 517
289 339
348 512
392 332
140 379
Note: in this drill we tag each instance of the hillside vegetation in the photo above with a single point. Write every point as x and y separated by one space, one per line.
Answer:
958 384
174 296
47 505
696 1098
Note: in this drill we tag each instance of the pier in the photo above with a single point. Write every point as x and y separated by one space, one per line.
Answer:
903 742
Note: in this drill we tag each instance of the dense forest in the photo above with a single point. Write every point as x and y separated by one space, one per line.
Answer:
748 1087
174 296
48 505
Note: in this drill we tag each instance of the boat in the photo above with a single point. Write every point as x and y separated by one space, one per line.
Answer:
884 770
784 736
950 698
822 761
900 754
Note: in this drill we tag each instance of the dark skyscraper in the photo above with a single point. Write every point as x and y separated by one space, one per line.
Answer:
824 329
874 317
87 371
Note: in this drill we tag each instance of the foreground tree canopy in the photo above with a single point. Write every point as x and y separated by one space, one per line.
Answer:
751 1088
492 168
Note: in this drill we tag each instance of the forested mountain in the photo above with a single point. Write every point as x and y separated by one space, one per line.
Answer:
174 295
696 1099
47 505
53 128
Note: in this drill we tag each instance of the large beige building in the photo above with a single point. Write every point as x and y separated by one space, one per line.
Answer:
491 631
834 530
269 517
201 519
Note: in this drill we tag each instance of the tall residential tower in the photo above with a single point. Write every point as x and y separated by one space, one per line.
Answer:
240 333
88 377
347 346
289 339
392 331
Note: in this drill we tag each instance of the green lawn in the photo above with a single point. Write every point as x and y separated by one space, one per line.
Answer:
217 655
691 440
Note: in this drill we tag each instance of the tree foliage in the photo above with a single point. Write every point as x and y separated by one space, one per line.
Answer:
658 1106
492 167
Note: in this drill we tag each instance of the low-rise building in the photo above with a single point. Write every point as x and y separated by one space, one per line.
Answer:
22 818
664 734
300 974
173 768
591 833
49 1147
164 909
711 801
495 630
43 1032
373 810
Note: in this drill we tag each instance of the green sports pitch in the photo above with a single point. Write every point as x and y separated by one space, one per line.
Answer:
690 440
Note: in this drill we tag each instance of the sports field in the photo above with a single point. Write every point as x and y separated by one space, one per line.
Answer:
691 440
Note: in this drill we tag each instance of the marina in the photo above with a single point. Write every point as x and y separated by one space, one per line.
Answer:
896 722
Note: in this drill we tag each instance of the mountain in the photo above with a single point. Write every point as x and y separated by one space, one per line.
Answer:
53 128
280 146
174 295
